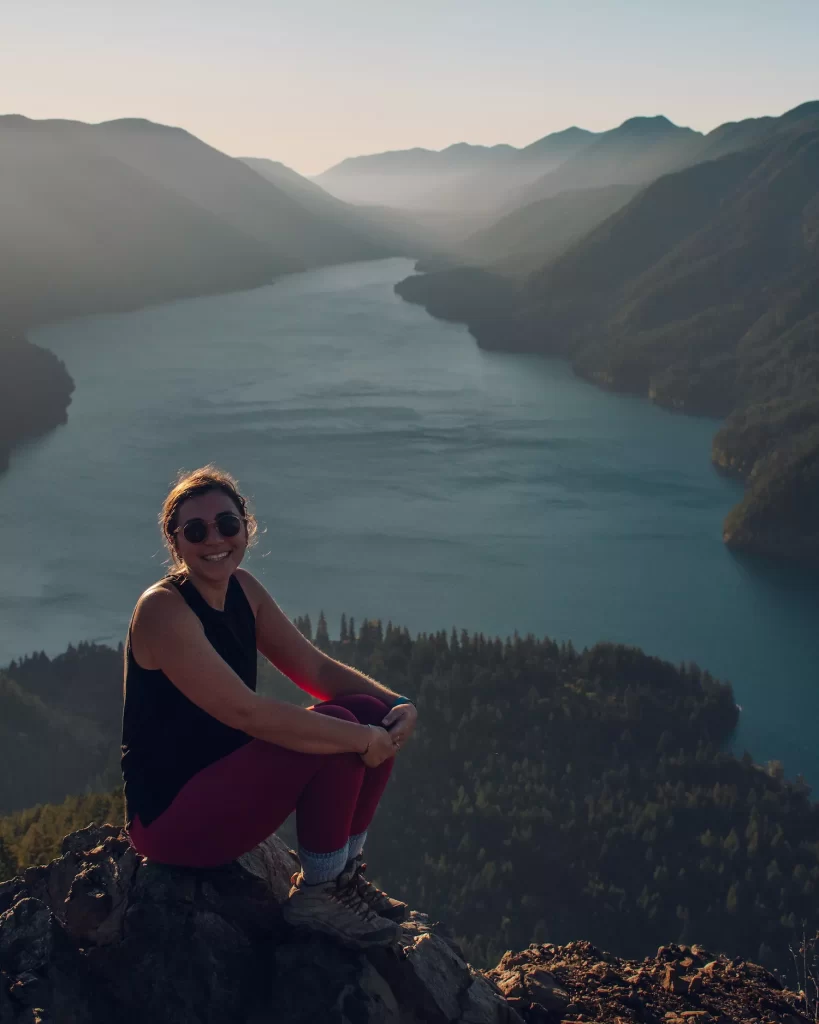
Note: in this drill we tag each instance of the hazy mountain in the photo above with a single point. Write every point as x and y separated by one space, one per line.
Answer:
112 216
83 232
294 184
556 147
404 178
392 230
480 196
453 180
238 195
637 152
702 293
522 241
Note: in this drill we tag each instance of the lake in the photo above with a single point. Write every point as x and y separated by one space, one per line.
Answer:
398 472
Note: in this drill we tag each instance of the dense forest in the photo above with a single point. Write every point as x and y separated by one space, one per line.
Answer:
702 293
35 391
550 794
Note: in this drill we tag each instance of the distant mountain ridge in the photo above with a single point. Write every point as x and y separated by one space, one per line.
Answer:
457 156
461 175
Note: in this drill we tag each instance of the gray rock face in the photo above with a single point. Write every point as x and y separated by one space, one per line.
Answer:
101 935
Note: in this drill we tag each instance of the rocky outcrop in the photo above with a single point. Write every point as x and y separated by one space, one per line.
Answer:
100 935
681 985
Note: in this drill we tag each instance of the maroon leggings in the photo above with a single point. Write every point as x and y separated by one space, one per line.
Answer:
236 802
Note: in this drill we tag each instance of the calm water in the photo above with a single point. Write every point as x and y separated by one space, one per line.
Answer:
399 472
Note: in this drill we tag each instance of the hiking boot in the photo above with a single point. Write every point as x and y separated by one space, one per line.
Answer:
337 911
379 902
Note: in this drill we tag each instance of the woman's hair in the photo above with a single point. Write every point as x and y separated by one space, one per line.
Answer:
191 485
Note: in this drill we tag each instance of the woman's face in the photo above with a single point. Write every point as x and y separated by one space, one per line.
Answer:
216 557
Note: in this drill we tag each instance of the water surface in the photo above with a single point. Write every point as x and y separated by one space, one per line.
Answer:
398 472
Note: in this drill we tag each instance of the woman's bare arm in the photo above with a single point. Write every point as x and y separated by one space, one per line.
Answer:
310 669
176 643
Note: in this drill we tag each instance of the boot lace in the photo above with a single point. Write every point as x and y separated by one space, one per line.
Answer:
350 897
366 890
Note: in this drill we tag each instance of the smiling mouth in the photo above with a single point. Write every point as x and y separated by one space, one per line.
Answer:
216 558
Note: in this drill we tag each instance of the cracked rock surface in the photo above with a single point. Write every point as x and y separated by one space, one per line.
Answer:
681 985
100 936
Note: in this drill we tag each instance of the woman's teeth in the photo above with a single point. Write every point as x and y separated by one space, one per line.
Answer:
216 558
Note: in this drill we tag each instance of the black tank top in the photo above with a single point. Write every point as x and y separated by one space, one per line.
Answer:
166 738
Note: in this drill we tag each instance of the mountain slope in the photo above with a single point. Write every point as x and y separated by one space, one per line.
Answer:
84 232
232 191
393 231
638 151
481 195
35 739
701 293
116 215
522 241
403 178
303 190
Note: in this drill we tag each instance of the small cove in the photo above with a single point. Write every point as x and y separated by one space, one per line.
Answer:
399 471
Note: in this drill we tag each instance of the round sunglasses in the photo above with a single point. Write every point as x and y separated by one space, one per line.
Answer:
196 530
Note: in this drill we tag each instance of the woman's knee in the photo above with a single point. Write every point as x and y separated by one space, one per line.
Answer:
364 708
335 711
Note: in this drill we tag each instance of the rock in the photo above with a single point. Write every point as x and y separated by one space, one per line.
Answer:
656 990
671 981
102 935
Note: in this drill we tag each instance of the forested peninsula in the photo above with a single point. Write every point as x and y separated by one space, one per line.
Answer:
35 392
702 294
550 794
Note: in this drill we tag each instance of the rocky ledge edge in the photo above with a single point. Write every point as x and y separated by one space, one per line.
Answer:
101 935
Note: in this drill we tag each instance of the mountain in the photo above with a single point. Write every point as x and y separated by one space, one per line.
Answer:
402 178
294 184
116 215
59 724
232 191
34 739
637 152
701 293
480 196
394 230
523 240
452 181
84 232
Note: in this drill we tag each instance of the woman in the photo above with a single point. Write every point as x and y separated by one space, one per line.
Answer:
212 768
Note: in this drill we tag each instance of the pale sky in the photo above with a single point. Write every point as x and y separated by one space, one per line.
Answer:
310 82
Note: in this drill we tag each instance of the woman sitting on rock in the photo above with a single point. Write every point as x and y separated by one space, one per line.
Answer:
212 768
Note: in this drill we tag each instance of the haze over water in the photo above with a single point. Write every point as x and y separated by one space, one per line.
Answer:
399 472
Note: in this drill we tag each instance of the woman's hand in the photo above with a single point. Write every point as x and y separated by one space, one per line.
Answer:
400 721
381 747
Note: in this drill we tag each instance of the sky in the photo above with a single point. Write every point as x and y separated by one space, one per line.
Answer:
309 82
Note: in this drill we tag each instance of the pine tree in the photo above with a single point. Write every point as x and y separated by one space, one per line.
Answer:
322 635
8 864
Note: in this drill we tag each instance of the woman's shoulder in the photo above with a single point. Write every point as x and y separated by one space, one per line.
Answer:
159 608
161 601
254 591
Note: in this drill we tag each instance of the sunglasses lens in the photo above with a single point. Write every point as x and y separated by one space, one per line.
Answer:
195 531
228 524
